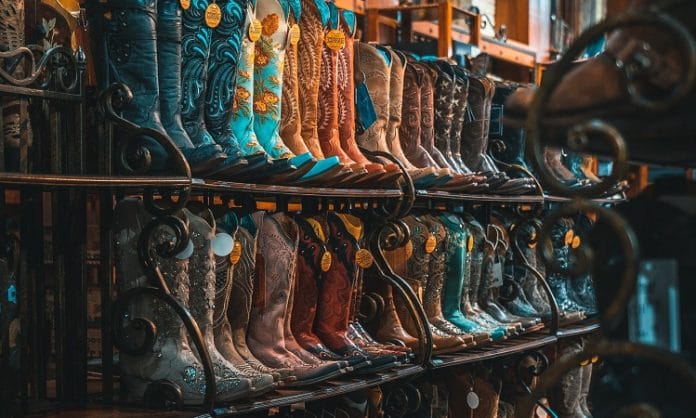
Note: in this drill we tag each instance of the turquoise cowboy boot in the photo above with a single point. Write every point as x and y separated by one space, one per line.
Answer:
456 252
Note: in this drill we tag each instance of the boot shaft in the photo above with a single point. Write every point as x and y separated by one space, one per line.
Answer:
456 240
373 66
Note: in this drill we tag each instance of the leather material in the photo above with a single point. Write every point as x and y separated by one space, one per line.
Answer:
125 51
346 100
444 110
390 329
396 90
202 296
200 158
484 384
171 356
309 71
225 46
512 150
269 59
222 330
561 251
333 310
456 252
239 307
565 397
242 118
473 142
410 129
461 96
432 296
312 247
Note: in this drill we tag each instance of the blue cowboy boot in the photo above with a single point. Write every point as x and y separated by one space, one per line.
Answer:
196 41
226 50
124 44
206 156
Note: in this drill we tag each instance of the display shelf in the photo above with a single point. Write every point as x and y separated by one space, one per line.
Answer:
504 348
600 201
89 181
479 197
299 191
329 389
575 330
9 90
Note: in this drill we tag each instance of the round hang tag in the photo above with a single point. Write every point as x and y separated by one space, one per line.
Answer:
222 244
363 258
294 34
408 248
335 39
576 242
255 29
185 4
430 244
568 239
236 253
470 243
539 412
472 400
186 252
326 261
213 15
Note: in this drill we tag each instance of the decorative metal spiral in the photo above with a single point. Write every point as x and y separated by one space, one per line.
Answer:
57 64
405 204
584 137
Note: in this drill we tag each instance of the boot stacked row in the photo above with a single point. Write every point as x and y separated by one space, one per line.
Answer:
472 285
275 296
266 91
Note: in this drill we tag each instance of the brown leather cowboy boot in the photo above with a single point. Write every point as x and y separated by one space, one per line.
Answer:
375 66
333 310
221 325
346 105
275 267
390 329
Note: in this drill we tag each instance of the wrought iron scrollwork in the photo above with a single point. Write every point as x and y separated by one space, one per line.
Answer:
582 137
57 68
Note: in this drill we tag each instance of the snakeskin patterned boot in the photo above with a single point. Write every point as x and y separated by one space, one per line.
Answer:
206 156
170 361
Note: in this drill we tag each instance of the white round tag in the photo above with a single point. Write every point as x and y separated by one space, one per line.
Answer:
472 400
222 244
186 252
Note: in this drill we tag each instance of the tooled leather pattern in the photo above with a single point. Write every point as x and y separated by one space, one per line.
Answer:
410 129
327 116
309 54
396 90
376 75
444 111
427 114
473 131
461 93
195 48
346 98
436 281
222 66
419 262
290 126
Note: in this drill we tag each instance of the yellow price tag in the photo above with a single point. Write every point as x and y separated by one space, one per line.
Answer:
470 243
213 15
430 244
576 242
409 249
185 4
236 253
335 39
294 34
568 237
363 258
326 261
255 29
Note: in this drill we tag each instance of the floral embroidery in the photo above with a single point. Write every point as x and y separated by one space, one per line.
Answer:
269 24
261 59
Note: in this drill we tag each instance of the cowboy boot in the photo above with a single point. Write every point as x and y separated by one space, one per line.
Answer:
196 39
123 36
444 110
410 131
170 359
239 113
275 269
396 90
585 389
417 273
432 296
562 236
223 245
314 18
390 329
506 143
565 399
482 394
223 59
202 294
241 295
290 126
314 258
456 252
331 326
552 159
327 115
206 156
346 104
374 65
